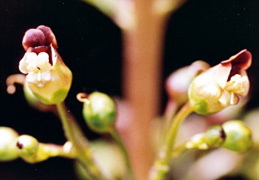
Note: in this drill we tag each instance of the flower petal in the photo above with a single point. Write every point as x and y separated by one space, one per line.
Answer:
217 74
49 35
242 60
40 37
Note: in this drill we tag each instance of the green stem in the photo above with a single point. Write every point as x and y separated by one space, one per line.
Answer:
53 150
161 166
76 137
171 109
113 132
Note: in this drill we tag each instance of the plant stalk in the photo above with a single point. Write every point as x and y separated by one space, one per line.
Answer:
120 143
162 165
75 135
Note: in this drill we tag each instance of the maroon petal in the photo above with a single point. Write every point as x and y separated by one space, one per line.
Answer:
49 35
38 38
241 60
33 38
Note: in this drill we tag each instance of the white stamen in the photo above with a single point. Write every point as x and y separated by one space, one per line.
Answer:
37 67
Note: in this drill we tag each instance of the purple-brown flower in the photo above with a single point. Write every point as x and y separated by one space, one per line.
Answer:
40 37
221 85
47 76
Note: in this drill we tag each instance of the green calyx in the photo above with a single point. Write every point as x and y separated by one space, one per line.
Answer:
199 106
30 98
34 98
59 96
8 139
205 97
99 112
56 89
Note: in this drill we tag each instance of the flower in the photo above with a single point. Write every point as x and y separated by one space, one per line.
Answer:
48 77
221 85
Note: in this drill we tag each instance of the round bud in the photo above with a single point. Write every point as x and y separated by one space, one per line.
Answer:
27 145
99 112
238 136
215 136
8 139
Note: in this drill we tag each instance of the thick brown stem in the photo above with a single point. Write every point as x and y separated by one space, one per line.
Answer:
143 47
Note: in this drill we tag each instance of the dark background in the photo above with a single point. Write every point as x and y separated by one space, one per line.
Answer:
90 44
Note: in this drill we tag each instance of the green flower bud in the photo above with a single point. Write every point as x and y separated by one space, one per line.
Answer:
221 85
212 138
8 139
238 136
215 136
99 112
27 146
32 151
48 77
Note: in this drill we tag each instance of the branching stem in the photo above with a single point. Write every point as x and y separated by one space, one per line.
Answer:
120 143
161 166
75 136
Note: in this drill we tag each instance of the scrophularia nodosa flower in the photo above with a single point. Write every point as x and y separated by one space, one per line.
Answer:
47 76
221 85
